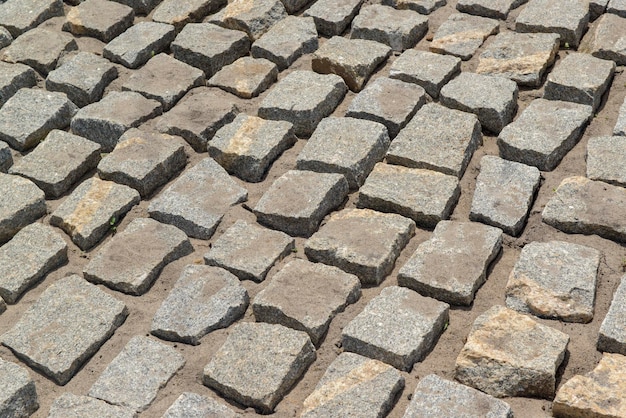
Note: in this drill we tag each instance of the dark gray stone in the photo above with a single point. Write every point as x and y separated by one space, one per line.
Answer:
332 17
13 77
101 19
247 77
292 6
606 159
254 17
18 395
22 204
606 39
70 405
496 9
5 37
18 16
612 335
620 125
568 18
462 34
597 8
427 69
6 159
192 405
139 43
140 6
421 6
617 7
177 13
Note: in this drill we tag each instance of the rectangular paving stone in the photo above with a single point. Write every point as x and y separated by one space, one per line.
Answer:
18 395
65 327
606 39
135 46
22 203
306 296
620 125
421 6
177 13
612 334
247 77
6 158
427 69
606 158
453 263
135 376
496 9
568 18
462 34
199 406
332 17
101 19
203 299
254 17
18 16
14 77
70 405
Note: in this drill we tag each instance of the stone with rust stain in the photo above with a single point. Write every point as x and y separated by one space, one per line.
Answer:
247 77
462 34
101 19
255 17
179 13
22 203
568 18
612 335
606 39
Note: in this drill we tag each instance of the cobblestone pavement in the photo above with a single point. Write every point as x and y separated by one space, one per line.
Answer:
312 208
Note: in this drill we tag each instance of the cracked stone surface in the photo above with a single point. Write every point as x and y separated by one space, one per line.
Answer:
70 405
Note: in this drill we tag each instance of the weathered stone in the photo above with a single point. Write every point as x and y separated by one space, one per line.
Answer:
354 60
179 13
192 405
22 203
332 17
504 193
6 159
398 327
453 263
510 354
427 69
306 296
5 37
597 8
425 196
620 125
612 336
135 376
354 385
101 19
347 146
18 396
568 18
203 299
253 369
93 207
3 305
362 242
298 200
18 16
140 6
137 45
292 6
606 159
70 405
498 9
606 39
65 327
303 98
462 34
522 57
247 77
198 199
253 17
13 77
617 7
104 122
421 6
582 206
437 138
544 132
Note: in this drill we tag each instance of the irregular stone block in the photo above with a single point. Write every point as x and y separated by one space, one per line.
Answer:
510 354
462 34
70 405
203 299
332 17
612 336
18 16
617 7
293 6
253 17
137 44
568 18
606 157
247 77
6 159
140 6
175 13
135 376
65 327
18 395
191 403
427 69
22 204
606 39
14 77
496 9
424 7
101 19
620 125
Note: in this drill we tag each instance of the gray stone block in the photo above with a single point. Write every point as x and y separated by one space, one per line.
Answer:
617 7
496 9
332 17
254 17
398 327
292 6
14 77
606 159
568 18
606 39
620 125
22 204
462 34
140 6
6 159
421 6
5 37
101 19
18 395
612 335
139 43
65 327
247 77
427 69
70 405
192 405
203 299
18 16
173 12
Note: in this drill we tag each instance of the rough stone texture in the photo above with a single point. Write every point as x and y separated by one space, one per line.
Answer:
22 203
247 77
6 159
462 34
136 46
69 405
504 194
597 8
427 69
5 37
354 60
421 6
293 6
568 18
306 296
18 16
583 206
255 371
354 385
101 19
192 405
398 327
249 251
203 299
93 207
612 336
522 57
510 354
3 305
298 200
198 199
14 77
362 242
287 41
140 6
425 196
606 39
253 17
606 158
617 7
135 376
437 138
599 393
346 146
453 263
390 102
544 132
496 9
58 162
620 125
492 99
179 13
18 396
400 29
65 327
332 17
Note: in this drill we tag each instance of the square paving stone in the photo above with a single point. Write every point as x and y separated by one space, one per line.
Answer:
249 251
568 18
297 201
144 160
105 121
306 296
177 13
544 133
18 16
347 146
612 335
510 354
65 327
203 299
427 69
453 263
247 77
555 280
136 45
606 39
70 405
87 214
259 363
354 385
522 57
253 17
492 99
620 124
135 376
437 138
303 98
332 17
14 77
198 199
363 242
505 191
101 19
22 203
462 34
425 196
58 162
390 102
198 406
249 145
18 395
496 9
421 6
606 159
287 41
6 159
398 327
354 60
